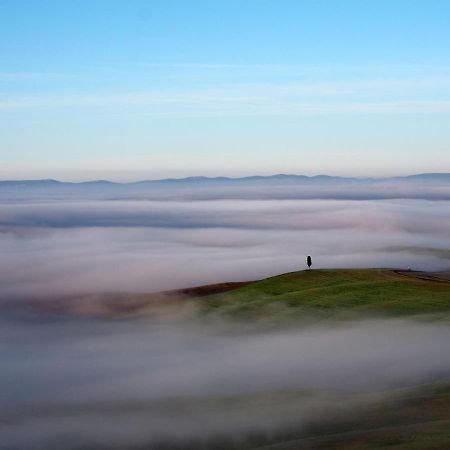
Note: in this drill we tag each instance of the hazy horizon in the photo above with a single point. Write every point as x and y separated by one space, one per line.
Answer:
229 176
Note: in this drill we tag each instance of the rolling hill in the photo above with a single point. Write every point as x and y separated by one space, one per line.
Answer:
319 293
332 292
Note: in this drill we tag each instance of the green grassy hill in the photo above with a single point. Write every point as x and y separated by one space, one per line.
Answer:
420 419
330 292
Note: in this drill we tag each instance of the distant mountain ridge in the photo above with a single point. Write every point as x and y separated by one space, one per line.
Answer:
440 177
427 186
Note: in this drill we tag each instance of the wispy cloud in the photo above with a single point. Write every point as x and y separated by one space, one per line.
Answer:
392 96
12 76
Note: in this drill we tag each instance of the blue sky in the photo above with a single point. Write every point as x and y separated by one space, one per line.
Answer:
148 89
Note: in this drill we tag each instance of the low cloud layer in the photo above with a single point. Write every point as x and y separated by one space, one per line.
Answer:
82 384
89 383
54 248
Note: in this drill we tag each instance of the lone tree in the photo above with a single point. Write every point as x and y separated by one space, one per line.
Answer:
309 261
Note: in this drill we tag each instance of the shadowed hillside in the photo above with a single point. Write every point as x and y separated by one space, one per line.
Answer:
421 420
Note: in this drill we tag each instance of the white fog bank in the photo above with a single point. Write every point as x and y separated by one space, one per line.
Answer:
113 385
55 248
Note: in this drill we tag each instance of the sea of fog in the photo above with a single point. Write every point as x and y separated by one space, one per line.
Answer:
84 383
77 384
53 247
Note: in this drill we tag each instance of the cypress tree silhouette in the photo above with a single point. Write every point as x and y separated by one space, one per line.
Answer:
309 261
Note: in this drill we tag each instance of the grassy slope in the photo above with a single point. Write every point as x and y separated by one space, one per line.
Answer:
330 292
421 421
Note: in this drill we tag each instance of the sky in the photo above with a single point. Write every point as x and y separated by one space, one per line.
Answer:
129 90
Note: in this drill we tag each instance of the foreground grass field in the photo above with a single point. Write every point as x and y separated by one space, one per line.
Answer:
330 292
410 419
420 421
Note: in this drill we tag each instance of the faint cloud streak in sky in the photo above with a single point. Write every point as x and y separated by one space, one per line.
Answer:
402 96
